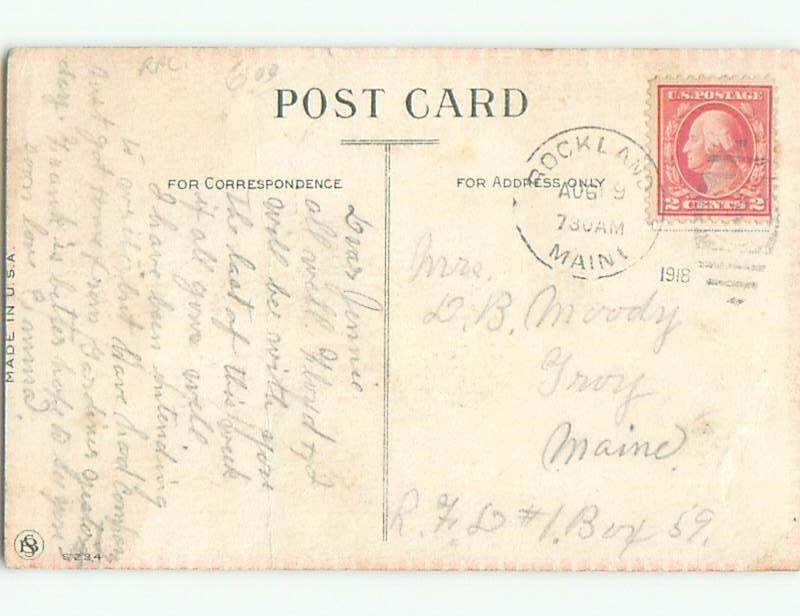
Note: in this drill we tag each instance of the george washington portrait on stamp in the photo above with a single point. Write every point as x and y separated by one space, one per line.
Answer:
714 150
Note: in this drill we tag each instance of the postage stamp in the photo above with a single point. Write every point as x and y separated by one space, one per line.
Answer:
714 145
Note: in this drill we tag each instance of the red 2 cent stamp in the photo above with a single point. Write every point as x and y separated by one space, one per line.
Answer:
714 150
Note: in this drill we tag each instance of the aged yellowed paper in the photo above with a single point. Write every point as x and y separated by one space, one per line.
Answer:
386 308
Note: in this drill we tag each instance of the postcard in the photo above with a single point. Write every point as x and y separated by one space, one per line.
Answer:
402 309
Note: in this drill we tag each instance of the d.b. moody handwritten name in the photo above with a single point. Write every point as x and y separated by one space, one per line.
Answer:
419 103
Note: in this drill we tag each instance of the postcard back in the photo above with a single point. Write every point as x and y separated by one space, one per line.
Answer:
402 309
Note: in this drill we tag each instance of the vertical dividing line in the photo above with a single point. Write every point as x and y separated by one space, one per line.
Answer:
387 176
387 263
